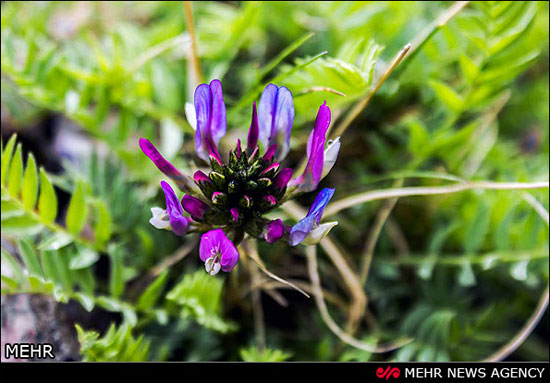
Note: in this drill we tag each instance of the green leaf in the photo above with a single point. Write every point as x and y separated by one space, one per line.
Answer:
10 209
447 96
30 258
418 138
84 257
14 267
15 173
116 280
152 293
469 68
284 53
55 241
109 304
477 230
466 277
61 259
49 266
20 226
30 184
85 279
47 201
103 225
6 158
86 301
78 210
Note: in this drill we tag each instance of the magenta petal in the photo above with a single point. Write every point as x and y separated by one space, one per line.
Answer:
194 206
274 231
215 243
239 150
309 180
254 130
229 255
270 199
234 214
273 166
160 162
209 245
270 152
214 155
281 180
200 176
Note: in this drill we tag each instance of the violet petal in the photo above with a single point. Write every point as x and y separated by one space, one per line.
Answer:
276 116
178 222
301 230
211 117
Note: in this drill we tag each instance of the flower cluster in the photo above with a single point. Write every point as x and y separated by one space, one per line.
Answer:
232 199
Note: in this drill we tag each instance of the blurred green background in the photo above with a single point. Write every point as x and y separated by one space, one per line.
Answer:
454 276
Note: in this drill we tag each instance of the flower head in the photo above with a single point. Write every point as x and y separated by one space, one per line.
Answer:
240 188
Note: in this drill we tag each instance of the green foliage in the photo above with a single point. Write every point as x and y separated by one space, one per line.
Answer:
199 296
117 345
31 206
253 354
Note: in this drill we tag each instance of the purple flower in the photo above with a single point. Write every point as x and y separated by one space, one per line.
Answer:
194 206
217 252
173 215
276 116
311 176
302 229
162 164
274 231
211 118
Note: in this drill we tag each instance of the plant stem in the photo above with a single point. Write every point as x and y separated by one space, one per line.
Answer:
433 190
194 51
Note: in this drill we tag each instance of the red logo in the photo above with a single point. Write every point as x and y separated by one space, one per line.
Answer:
388 372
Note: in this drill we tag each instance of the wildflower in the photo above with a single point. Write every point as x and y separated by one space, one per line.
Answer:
232 198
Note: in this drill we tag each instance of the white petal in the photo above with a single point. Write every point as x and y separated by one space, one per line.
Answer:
216 269
209 264
318 233
331 154
191 115
160 219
